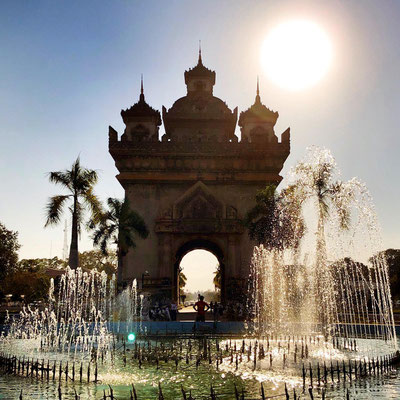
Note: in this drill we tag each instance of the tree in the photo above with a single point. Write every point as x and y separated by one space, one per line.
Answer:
8 250
392 258
217 278
182 282
40 264
260 219
79 182
119 225
275 221
30 278
315 182
350 278
96 259
32 285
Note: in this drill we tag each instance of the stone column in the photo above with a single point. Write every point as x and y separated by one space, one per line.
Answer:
232 256
164 255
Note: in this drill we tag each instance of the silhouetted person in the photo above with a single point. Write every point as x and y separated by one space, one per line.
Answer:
215 311
201 307
173 311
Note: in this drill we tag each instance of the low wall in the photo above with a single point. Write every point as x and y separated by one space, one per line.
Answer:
177 327
183 327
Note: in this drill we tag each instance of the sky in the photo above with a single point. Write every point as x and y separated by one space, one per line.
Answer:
199 267
68 68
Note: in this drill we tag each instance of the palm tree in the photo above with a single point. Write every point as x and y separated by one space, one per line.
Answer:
182 282
275 221
315 182
79 181
118 226
217 278
260 219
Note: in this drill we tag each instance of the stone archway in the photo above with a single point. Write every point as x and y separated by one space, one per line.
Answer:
198 219
194 186
199 244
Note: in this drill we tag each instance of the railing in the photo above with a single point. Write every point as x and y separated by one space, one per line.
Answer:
315 376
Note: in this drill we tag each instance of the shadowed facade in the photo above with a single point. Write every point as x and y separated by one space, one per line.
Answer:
194 185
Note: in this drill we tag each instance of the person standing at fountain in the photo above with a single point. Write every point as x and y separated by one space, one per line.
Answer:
215 311
173 311
201 307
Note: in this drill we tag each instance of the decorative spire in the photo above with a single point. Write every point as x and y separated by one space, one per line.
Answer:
200 62
200 72
141 98
258 99
258 111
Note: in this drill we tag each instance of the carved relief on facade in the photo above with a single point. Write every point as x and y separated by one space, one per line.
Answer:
198 202
231 212
199 207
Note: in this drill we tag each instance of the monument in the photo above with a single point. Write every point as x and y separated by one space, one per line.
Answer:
194 185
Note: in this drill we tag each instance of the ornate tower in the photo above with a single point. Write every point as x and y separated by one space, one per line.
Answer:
141 121
257 124
194 186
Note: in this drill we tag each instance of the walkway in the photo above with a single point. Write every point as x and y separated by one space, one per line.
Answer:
188 314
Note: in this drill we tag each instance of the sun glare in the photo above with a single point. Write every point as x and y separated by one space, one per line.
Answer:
296 54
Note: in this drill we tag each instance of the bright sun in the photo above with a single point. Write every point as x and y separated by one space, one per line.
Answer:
296 54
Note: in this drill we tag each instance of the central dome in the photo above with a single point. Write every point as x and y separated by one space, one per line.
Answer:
200 105
199 115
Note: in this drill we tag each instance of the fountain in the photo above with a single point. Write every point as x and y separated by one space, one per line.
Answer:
321 289
78 316
318 315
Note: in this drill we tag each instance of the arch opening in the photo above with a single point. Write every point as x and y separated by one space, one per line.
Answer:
199 273
199 269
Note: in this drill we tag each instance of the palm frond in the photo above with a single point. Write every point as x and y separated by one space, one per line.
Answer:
61 178
104 245
137 224
76 165
94 204
119 225
54 209
83 179
74 172
104 235
115 204
90 176
100 232
125 241
341 198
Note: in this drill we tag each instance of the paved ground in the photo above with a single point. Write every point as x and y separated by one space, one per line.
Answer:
189 314
186 309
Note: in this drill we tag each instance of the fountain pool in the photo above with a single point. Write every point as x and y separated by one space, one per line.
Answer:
321 321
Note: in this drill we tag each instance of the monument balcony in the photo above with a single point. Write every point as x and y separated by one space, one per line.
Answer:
222 165
197 146
195 155
212 161
203 226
